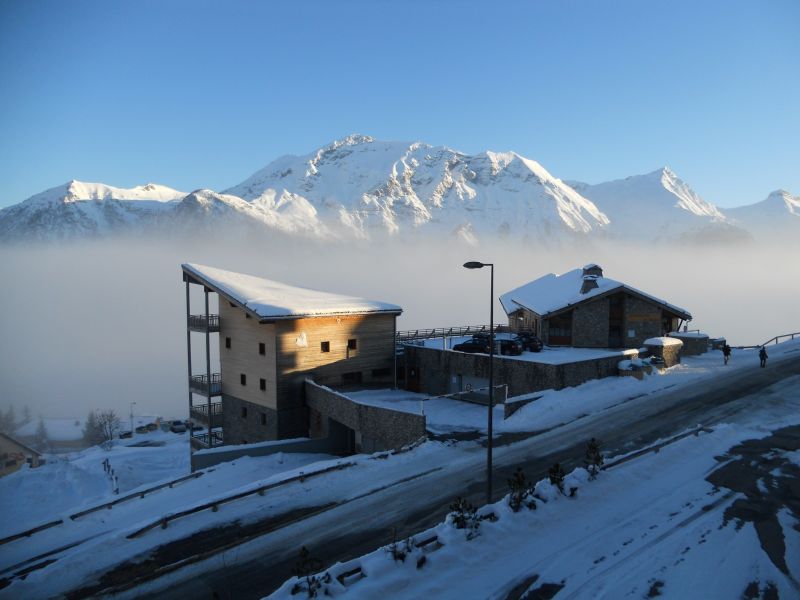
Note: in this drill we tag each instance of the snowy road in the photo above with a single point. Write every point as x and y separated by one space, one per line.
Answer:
360 525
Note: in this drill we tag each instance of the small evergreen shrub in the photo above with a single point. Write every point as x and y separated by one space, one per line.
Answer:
556 475
593 459
520 492
465 516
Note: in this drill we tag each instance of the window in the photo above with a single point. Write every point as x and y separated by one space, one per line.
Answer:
385 372
244 412
228 342
242 378
246 316
352 344
262 348
325 346
232 304
263 418
262 384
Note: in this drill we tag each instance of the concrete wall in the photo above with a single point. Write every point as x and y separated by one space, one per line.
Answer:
208 458
375 428
437 367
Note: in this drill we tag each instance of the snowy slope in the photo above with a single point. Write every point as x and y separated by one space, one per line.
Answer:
658 206
779 213
366 186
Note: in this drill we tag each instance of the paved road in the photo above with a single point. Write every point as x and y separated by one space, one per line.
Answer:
359 526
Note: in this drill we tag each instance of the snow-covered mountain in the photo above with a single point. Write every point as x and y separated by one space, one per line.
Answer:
778 214
364 186
659 206
359 187
79 209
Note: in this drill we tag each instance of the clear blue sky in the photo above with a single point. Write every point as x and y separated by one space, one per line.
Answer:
202 94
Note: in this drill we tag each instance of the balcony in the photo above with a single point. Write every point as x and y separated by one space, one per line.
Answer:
198 323
199 413
199 385
199 441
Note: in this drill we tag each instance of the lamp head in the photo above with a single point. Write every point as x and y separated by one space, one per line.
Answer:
473 264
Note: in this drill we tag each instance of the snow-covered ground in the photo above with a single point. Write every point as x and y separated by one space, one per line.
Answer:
653 526
102 541
550 407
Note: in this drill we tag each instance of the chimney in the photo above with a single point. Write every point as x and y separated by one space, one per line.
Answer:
593 269
589 283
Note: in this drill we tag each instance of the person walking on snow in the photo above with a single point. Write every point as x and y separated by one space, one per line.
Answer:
762 354
726 353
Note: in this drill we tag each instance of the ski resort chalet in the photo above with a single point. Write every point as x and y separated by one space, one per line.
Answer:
584 309
274 341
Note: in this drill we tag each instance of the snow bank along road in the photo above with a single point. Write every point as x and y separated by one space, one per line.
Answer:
410 492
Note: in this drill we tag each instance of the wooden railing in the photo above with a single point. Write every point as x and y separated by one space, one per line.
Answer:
777 340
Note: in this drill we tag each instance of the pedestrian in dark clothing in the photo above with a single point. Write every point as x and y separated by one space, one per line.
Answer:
726 353
762 354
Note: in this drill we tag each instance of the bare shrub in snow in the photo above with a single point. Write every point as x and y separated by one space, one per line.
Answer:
108 424
306 569
593 459
520 492
556 475
401 550
463 515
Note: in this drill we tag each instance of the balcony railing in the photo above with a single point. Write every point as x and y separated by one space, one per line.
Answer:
199 384
199 412
198 323
200 440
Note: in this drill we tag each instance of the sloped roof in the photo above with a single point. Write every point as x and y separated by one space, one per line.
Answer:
15 441
270 300
553 293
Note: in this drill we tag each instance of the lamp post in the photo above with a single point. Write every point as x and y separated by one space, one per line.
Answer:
480 265
132 403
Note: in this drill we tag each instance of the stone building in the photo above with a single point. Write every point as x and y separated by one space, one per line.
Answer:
272 337
14 454
582 308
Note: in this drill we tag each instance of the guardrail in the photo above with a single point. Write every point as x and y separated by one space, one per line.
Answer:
200 385
436 332
104 506
199 322
777 339
214 505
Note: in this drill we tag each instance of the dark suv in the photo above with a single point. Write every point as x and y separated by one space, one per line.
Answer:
473 346
510 347
528 341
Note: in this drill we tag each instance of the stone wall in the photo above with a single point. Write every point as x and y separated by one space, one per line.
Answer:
671 355
261 423
437 367
590 324
375 428
693 343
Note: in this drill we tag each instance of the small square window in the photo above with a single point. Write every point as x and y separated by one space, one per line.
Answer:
227 342
244 412
232 304
263 418
262 384
325 346
246 316
352 344
262 348
243 379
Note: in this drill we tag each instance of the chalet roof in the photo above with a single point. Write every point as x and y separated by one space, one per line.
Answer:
270 300
553 293
15 441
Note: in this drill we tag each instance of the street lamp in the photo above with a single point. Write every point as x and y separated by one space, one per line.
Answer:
480 265
132 403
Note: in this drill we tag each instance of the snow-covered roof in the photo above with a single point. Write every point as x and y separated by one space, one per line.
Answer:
270 300
552 293
57 430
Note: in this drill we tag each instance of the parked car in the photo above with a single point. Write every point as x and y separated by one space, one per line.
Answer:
473 346
142 429
125 434
510 347
530 342
177 427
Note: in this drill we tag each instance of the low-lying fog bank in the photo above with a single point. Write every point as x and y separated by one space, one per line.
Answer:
101 324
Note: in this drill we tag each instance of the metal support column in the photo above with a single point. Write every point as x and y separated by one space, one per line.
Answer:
208 370
189 356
